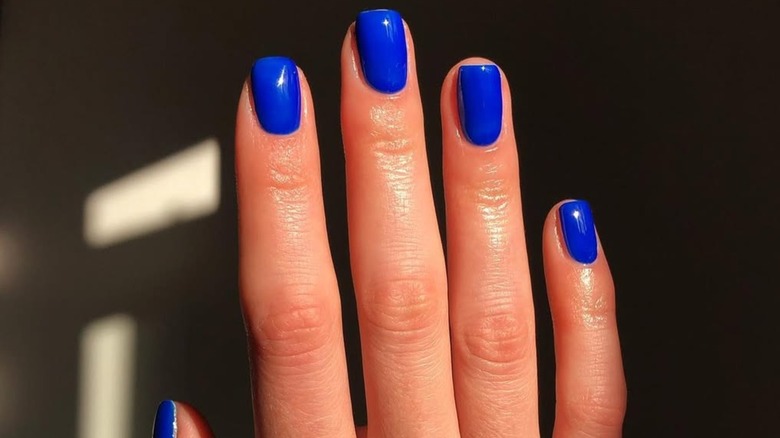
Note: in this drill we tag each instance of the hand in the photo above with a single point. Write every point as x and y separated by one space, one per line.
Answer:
447 350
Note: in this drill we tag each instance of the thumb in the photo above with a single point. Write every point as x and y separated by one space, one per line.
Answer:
179 420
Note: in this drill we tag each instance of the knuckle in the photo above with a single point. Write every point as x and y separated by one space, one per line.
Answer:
285 172
491 194
296 329
498 344
597 413
388 129
409 311
387 146
592 309
395 158
389 120
598 312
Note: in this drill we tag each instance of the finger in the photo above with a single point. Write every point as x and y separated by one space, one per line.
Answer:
289 293
179 420
397 260
590 387
491 308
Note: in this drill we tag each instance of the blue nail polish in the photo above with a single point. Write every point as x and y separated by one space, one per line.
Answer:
381 42
480 103
165 420
276 90
579 233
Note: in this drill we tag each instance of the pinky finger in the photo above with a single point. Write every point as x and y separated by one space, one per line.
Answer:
590 386
179 420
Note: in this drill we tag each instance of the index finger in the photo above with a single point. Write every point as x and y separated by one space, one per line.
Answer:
289 292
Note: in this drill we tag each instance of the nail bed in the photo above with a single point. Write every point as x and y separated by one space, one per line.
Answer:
579 231
165 420
276 91
480 103
381 43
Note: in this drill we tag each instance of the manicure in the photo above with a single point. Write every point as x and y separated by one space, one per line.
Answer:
480 103
381 42
276 90
579 233
165 420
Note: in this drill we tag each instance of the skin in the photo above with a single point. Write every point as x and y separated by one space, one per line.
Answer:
447 352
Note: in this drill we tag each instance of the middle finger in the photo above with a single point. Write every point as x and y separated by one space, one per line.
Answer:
397 259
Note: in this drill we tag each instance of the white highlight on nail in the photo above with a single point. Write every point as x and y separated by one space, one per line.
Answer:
106 381
181 187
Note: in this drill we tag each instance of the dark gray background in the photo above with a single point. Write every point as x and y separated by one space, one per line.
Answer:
663 114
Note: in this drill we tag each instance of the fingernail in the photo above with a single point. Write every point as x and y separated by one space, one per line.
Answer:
381 42
480 103
276 90
165 420
579 233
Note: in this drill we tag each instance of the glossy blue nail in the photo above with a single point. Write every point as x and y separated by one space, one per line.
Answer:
276 90
165 420
381 42
480 103
579 233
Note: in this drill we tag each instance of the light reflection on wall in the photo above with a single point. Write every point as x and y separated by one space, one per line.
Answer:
106 380
181 187
178 188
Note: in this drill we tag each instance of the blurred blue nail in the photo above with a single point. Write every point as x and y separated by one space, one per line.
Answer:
165 420
480 103
276 90
381 42
579 233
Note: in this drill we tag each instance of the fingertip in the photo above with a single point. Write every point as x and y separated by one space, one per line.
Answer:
381 37
579 282
476 104
472 60
175 419
165 420
276 94
551 234
192 424
449 86
275 107
378 53
570 233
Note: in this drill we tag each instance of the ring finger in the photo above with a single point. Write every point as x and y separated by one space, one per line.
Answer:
491 309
